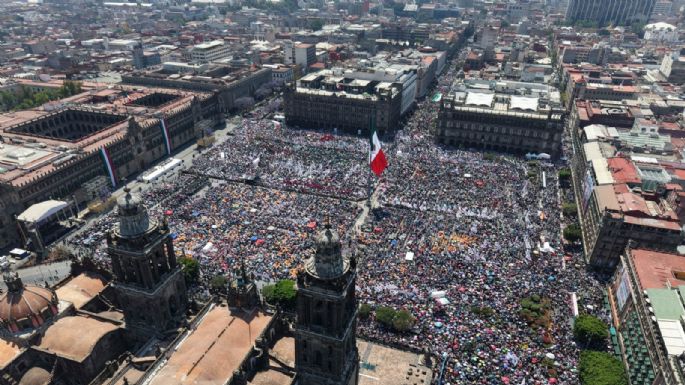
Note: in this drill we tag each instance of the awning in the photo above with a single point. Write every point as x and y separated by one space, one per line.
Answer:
41 211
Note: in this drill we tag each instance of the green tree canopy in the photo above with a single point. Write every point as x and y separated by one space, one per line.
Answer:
403 321
190 268
316 25
281 294
218 283
569 209
600 368
385 315
572 233
590 330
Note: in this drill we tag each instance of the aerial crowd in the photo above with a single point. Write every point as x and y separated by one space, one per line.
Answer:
450 232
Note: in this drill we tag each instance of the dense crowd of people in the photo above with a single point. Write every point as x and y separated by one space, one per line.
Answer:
451 232
310 162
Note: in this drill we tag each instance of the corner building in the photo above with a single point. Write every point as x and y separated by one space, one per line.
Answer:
500 122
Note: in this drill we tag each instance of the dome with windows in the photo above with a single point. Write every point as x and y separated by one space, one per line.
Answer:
133 217
328 262
26 307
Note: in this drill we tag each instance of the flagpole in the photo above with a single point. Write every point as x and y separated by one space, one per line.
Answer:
368 165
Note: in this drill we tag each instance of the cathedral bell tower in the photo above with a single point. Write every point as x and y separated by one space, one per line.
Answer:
325 344
149 284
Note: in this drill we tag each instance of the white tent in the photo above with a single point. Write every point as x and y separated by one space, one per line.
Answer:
41 211
409 256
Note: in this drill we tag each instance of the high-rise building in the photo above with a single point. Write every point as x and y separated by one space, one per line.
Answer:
325 344
673 67
604 12
305 55
149 284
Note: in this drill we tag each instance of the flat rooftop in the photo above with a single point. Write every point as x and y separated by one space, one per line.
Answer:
211 352
81 289
210 44
379 365
654 268
19 155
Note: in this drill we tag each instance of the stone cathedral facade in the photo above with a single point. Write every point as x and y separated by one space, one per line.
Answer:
325 344
148 281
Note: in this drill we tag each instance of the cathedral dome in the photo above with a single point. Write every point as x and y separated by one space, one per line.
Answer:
133 216
129 203
328 262
24 307
36 376
327 239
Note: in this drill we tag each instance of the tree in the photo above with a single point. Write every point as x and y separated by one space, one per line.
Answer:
281 294
218 283
590 330
572 233
600 368
403 321
569 209
285 292
535 310
603 32
638 28
564 174
316 25
364 311
244 103
385 315
263 91
190 268
59 253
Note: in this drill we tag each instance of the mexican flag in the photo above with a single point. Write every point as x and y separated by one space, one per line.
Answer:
377 159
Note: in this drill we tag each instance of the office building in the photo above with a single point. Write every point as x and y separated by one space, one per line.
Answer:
605 12
210 52
304 54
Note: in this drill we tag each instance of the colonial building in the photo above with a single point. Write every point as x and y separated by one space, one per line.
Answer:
501 122
149 284
226 82
325 344
103 135
46 338
322 101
